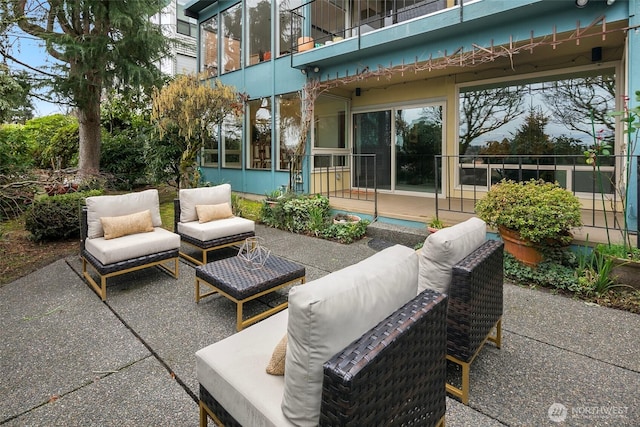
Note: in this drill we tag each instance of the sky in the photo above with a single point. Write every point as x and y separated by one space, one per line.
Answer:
31 51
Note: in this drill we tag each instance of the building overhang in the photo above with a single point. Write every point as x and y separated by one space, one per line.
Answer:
193 8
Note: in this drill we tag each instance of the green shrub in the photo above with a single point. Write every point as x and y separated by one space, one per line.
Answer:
53 140
122 156
346 233
14 149
309 215
56 217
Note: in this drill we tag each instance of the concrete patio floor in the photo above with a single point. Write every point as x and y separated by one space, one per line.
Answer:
68 359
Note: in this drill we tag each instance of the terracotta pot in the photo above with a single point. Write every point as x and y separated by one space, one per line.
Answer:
305 43
523 250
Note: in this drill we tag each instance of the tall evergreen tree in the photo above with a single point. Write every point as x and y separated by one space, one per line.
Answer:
97 44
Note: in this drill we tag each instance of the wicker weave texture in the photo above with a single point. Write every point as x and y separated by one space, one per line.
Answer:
395 373
223 416
236 278
475 299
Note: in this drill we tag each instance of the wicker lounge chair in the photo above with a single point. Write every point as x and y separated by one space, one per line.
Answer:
206 237
475 309
132 250
366 383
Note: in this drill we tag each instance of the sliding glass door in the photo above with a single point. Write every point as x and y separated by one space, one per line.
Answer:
372 136
404 148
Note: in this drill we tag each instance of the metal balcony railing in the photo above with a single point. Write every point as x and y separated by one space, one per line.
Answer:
458 182
322 22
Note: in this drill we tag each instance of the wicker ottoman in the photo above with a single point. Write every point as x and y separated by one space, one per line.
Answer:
234 279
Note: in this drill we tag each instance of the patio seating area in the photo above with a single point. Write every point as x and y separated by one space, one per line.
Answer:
69 358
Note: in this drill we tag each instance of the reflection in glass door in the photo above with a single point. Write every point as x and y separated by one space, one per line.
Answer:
404 149
372 135
418 139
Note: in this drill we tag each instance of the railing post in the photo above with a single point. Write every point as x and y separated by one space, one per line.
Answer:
436 181
375 188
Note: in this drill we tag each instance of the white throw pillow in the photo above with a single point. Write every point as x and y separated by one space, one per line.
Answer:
190 197
328 314
444 249
123 204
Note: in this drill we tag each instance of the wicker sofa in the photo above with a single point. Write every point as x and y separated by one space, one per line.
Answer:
123 233
235 390
350 357
206 236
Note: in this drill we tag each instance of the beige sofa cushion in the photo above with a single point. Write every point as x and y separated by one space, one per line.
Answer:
190 197
444 249
232 370
327 314
208 213
132 246
117 226
216 229
124 204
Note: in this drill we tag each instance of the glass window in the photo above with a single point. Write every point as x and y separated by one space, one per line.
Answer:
232 137
231 29
209 46
259 31
259 115
289 123
537 128
184 25
210 149
289 30
551 116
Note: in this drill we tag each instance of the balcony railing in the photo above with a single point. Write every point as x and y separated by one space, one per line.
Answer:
322 22
458 182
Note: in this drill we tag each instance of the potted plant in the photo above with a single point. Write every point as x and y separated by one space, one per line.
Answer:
530 216
435 224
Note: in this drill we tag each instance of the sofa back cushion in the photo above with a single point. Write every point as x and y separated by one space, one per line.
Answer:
327 314
123 204
444 249
190 197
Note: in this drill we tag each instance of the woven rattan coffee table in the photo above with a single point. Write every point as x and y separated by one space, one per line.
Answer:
238 281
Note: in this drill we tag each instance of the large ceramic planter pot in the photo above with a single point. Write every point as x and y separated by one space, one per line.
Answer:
523 250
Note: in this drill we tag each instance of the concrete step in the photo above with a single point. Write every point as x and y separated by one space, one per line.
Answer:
397 234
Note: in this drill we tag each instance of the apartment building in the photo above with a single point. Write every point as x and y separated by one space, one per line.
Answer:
421 98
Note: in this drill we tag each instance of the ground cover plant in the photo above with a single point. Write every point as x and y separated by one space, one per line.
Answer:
310 215
581 273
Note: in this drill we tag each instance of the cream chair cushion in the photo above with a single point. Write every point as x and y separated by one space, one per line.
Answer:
190 197
327 314
124 204
132 246
232 370
216 229
444 249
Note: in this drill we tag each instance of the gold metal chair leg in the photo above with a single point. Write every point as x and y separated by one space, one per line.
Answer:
203 415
